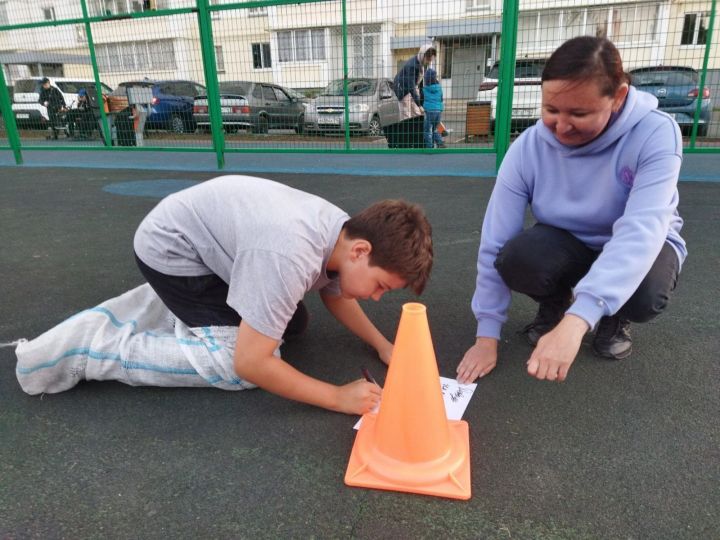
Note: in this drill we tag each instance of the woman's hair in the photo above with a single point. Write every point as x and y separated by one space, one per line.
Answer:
401 239
587 58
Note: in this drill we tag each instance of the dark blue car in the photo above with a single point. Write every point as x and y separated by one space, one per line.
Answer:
172 103
677 91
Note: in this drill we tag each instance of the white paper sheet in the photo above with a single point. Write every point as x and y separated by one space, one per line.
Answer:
456 397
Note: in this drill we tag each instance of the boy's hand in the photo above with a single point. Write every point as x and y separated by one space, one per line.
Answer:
479 360
358 397
385 352
556 350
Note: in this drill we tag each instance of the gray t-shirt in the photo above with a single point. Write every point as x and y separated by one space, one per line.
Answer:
270 243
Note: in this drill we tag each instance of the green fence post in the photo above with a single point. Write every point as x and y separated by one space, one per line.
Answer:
508 47
345 74
96 74
211 80
703 74
9 117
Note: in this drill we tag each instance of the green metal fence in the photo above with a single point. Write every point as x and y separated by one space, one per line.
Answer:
316 75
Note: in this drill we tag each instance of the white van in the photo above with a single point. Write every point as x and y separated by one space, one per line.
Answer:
26 94
527 92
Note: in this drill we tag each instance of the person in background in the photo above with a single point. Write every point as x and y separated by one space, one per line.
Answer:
433 105
51 98
81 120
599 172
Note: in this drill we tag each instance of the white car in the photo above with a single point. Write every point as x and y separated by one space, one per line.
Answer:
527 92
26 93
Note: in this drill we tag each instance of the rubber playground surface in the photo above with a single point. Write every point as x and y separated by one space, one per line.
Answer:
625 449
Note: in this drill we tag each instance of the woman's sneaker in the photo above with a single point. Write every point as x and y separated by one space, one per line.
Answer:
612 338
548 316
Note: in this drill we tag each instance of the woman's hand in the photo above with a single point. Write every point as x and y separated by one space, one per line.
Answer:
556 350
479 360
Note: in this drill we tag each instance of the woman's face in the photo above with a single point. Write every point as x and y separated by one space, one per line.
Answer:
577 112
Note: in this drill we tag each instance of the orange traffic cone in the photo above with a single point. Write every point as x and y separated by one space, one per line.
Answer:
410 445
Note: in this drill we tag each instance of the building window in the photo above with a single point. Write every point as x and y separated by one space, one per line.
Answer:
301 45
546 30
119 7
474 5
219 59
136 56
257 11
4 13
447 62
261 55
49 13
694 30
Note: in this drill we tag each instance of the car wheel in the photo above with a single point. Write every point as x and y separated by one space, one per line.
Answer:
177 125
374 127
300 127
262 124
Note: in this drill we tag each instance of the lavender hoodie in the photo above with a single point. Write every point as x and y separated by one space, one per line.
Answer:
617 194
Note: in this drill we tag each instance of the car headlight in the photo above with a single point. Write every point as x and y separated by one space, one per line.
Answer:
310 108
359 107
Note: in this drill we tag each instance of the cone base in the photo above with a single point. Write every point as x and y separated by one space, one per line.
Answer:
446 477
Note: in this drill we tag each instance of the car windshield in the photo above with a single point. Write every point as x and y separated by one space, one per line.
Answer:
523 69
665 78
240 88
294 93
27 86
356 87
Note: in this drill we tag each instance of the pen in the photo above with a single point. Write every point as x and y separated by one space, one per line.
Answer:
368 377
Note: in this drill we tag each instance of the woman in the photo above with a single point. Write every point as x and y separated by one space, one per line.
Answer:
408 133
600 174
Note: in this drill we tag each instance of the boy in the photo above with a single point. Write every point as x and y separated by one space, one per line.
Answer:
433 105
239 253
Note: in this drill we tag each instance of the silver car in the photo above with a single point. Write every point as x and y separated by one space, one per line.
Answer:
254 106
372 105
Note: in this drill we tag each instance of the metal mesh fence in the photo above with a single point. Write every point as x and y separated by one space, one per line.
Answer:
322 75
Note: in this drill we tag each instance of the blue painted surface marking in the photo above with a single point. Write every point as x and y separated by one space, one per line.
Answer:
149 188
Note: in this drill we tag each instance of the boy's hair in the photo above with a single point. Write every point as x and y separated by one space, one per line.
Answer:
401 239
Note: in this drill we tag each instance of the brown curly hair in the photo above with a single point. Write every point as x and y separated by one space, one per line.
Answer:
401 239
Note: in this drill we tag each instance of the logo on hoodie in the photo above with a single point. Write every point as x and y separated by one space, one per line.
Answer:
627 177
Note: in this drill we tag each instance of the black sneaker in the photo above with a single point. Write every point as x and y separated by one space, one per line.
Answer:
548 316
612 338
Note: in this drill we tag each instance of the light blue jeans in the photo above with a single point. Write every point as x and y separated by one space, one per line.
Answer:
431 134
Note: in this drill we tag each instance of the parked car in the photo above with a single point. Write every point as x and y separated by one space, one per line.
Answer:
677 92
30 113
527 92
255 106
172 103
372 102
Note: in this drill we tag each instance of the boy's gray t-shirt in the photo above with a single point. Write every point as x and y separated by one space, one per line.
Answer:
270 243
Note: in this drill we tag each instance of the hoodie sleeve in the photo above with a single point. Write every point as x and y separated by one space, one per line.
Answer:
638 235
504 219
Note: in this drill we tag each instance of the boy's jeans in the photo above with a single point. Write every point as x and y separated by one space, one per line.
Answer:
432 119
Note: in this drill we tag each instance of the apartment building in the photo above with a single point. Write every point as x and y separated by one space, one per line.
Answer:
302 46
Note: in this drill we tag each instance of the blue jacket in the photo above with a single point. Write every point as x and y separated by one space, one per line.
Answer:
617 194
406 80
433 97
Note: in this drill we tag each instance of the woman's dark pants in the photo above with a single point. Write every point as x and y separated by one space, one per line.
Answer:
545 263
